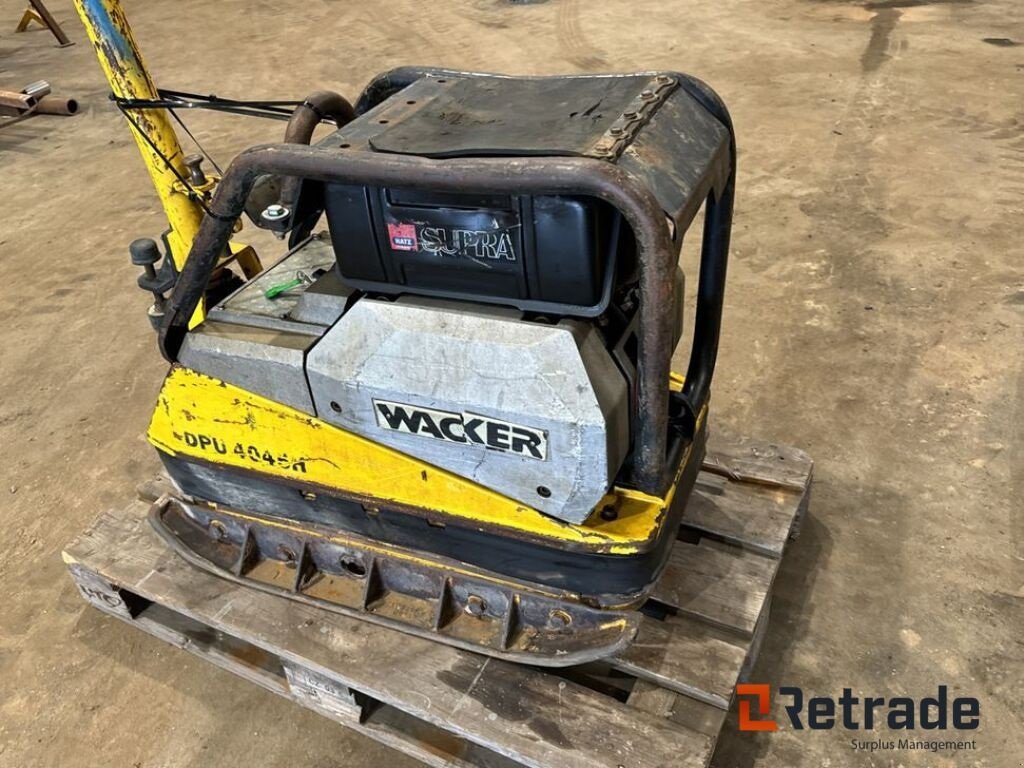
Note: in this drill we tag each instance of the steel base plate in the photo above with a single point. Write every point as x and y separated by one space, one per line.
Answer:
413 592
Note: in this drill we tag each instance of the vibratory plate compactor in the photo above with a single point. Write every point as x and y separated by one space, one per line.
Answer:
449 407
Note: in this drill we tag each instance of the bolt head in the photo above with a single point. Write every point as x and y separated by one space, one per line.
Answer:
275 212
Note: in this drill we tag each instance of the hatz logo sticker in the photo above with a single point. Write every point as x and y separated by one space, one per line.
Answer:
403 237
494 434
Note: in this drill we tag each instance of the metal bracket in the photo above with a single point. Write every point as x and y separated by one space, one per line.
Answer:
625 128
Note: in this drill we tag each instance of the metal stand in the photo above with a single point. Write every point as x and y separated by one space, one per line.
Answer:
38 13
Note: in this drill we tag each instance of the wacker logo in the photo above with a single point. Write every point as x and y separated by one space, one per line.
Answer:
462 428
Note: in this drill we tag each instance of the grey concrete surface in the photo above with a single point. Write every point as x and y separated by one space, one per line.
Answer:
874 319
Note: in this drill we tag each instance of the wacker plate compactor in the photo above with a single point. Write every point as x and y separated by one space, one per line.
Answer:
448 408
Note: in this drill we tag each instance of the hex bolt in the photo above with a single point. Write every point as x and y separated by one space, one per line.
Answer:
274 212
609 513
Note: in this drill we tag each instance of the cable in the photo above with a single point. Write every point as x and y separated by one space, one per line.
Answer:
174 100
195 195
274 110
195 141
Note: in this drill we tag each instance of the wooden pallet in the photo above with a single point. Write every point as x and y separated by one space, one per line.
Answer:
661 703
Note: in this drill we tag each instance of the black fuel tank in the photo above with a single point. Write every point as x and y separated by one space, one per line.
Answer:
529 250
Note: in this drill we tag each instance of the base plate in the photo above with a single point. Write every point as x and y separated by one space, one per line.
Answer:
445 600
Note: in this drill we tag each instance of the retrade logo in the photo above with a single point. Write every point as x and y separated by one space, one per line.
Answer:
854 713
760 694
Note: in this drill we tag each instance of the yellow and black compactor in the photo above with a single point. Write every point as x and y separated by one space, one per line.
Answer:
448 408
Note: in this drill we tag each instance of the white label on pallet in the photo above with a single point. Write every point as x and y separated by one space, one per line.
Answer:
321 694
99 592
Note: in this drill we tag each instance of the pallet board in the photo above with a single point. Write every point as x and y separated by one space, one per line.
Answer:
660 703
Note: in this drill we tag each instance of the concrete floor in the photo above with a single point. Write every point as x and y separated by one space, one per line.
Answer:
874 319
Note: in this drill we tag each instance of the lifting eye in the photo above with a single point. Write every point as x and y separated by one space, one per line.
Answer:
475 605
559 619
353 567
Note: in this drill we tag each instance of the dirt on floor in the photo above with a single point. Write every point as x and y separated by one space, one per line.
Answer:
874 319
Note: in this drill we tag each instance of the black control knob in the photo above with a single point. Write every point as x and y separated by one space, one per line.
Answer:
194 163
144 252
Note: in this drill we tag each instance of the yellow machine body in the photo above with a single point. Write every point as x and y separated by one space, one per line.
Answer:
218 423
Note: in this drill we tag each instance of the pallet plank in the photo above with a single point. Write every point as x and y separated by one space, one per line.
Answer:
650 697
727 589
691 714
698 716
688 657
760 461
428 743
416 738
453 709
750 515
523 713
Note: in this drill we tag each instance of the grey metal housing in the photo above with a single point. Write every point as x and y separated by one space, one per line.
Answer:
452 358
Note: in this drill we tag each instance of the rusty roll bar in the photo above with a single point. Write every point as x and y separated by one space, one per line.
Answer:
714 257
543 175
316 107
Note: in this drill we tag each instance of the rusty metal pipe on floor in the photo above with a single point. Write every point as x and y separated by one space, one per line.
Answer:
56 105
22 102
